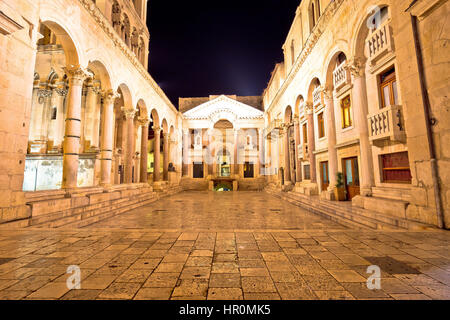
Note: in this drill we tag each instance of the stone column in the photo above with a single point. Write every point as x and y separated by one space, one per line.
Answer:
91 104
144 150
287 158
59 134
76 76
129 116
261 157
331 136
298 168
360 110
107 137
157 155
186 149
236 149
311 141
166 156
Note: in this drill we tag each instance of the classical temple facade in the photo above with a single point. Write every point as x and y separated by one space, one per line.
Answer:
353 123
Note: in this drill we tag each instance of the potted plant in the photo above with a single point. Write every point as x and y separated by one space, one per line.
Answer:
339 192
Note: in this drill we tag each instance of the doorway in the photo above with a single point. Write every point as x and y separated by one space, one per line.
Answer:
351 177
324 175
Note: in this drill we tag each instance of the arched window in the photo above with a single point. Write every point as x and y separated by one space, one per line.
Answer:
314 13
293 51
379 18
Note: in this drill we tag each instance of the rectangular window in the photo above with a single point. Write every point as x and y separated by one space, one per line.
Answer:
307 172
305 133
321 125
388 88
249 170
395 167
54 113
198 171
346 113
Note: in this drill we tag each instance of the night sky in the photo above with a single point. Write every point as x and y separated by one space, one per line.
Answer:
198 48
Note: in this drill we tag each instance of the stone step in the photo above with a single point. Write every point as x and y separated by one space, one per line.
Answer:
59 221
108 209
392 193
342 213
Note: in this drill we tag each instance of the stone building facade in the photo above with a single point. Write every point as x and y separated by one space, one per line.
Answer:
357 95
222 143
80 113
360 101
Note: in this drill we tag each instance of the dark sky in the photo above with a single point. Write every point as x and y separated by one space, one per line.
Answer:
198 48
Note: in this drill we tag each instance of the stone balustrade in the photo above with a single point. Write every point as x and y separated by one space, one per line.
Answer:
317 97
341 76
387 124
379 43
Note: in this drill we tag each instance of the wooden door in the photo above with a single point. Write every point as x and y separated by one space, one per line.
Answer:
351 177
324 175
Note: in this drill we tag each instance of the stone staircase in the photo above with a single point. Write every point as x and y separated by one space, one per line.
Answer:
346 214
83 207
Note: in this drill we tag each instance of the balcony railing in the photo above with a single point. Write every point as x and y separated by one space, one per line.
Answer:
387 124
341 76
379 43
317 97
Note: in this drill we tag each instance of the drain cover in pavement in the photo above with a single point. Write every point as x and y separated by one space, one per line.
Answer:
392 266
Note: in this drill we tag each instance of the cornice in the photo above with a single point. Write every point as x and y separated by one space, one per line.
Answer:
103 22
310 43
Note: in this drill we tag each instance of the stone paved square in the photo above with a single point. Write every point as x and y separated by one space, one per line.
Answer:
188 253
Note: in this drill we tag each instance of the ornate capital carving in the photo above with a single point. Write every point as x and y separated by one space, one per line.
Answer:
144 121
309 107
356 67
109 96
77 75
327 92
61 92
157 130
129 113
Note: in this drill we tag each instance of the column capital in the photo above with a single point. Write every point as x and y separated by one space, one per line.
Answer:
109 96
327 92
129 113
356 66
309 107
157 129
77 74
144 121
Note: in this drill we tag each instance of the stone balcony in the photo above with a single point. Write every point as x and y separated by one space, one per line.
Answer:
380 43
387 124
317 97
341 76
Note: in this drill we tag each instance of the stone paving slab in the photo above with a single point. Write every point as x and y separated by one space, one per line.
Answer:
290 255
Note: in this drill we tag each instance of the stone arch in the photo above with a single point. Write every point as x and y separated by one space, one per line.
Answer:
71 50
333 62
126 96
299 105
101 74
141 107
288 114
358 46
315 83
164 126
155 118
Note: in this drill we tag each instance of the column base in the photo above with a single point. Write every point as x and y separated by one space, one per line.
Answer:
366 191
